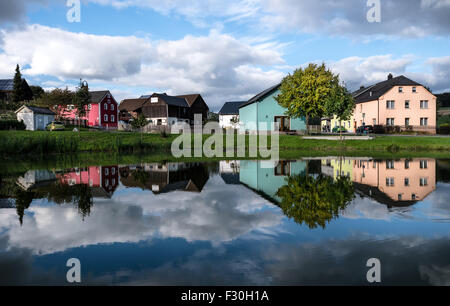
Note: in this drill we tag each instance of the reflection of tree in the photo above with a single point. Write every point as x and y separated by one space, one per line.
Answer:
141 177
315 200
83 199
23 201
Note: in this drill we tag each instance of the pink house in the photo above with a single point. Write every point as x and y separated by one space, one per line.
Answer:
102 112
397 102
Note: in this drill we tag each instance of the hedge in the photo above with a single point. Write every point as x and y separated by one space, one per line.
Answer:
12 125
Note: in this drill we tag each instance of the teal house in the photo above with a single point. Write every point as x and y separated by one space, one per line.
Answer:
266 177
263 108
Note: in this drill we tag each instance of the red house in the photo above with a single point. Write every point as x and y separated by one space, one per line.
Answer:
102 112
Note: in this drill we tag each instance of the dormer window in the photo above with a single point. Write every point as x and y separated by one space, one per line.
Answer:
154 100
370 94
400 89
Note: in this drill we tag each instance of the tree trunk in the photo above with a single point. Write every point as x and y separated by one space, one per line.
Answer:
307 124
340 129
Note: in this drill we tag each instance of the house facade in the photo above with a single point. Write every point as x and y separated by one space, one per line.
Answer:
165 110
35 118
398 102
102 111
264 109
229 115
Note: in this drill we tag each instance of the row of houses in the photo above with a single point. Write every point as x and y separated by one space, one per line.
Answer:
397 101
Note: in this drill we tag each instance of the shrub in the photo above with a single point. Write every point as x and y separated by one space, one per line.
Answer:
444 129
12 125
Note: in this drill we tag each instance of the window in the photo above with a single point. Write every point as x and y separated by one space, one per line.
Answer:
400 89
424 104
423 164
107 183
113 118
406 182
113 171
374 122
106 171
407 164
407 104
407 121
400 197
423 121
105 118
154 100
390 104
390 181
423 182
390 164
414 89
105 106
390 121
112 107
89 106
414 197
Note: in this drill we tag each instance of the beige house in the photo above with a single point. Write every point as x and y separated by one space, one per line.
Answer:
398 102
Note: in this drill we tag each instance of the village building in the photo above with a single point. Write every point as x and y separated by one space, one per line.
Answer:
101 112
396 102
263 108
229 115
35 118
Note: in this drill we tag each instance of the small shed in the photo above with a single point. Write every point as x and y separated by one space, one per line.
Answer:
35 118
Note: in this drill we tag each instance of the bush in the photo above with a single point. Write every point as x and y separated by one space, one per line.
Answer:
444 129
12 125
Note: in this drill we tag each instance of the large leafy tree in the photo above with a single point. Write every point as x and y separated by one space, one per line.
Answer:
315 201
340 103
56 100
305 92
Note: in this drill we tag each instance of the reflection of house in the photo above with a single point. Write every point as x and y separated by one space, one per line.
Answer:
35 178
102 180
395 182
266 177
338 167
264 109
164 178
229 171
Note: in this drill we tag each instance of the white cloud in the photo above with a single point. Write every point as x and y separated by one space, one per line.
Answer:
219 66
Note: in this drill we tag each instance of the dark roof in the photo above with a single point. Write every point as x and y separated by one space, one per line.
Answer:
97 96
261 95
190 99
38 110
172 100
379 89
231 178
7 85
231 108
132 105
379 196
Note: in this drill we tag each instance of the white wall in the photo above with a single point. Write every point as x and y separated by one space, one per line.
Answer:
225 121
28 119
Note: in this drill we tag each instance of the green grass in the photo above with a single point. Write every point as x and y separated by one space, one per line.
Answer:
44 143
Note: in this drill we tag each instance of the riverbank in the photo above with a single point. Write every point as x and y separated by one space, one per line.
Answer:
44 143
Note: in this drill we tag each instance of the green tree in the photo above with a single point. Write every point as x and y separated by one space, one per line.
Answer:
340 103
139 123
315 200
37 91
56 100
23 201
305 92
81 100
18 94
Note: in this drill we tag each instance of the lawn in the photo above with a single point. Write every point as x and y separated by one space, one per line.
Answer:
28 142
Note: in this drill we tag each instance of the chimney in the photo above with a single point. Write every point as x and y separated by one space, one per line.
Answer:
390 76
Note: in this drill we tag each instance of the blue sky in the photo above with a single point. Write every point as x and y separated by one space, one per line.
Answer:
225 50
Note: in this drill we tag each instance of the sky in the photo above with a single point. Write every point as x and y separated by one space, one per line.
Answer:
225 50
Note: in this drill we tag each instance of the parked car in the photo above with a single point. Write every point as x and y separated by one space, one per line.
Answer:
55 126
339 129
367 129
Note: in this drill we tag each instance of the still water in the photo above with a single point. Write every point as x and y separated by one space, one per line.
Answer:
313 221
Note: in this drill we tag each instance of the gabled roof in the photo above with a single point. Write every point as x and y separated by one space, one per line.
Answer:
190 99
231 108
97 96
37 110
7 85
172 100
374 92
131 105
261 95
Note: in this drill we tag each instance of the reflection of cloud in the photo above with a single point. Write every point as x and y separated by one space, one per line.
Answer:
405 261
218 214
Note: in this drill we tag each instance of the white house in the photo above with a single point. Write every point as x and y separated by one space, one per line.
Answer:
229 114
35 118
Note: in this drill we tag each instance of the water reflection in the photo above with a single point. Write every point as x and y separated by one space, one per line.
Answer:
211 223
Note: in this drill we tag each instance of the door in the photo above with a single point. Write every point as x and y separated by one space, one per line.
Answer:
284 123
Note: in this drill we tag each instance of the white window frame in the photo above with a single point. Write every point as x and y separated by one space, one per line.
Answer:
105 107
113 118
105 118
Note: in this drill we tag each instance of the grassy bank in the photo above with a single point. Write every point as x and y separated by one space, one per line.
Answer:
44 143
